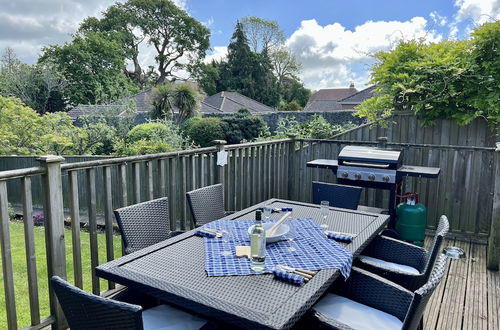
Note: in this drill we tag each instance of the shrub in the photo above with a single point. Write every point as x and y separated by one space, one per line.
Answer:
205 130
11 212
186 125
291 106
243 126
319 128
153 137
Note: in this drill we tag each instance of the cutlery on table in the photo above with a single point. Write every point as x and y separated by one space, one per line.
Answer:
341 233
307 274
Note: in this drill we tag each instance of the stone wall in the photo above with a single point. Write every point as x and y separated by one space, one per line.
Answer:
338 117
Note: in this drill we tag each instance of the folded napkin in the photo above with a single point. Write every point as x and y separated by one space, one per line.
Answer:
288 277
203 233
339 237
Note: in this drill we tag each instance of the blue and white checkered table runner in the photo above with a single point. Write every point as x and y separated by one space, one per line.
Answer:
313 250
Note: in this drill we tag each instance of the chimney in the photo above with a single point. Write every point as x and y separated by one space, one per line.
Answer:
351 85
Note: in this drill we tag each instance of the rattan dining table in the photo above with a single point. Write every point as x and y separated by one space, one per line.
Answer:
173 271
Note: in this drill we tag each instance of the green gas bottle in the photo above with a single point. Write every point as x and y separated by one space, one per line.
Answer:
411 220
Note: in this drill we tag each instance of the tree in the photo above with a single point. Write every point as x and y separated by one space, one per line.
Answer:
167 99
25 132
450 79
237 73
262 34
171 31
118 23
285 65
293 90
266 85
93 65
206 75
38 86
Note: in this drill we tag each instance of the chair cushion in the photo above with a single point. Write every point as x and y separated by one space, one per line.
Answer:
165 317
356 315
389 265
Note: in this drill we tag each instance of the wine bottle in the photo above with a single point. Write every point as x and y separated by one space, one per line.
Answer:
258 245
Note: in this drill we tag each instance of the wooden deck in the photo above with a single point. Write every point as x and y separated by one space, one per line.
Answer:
469 295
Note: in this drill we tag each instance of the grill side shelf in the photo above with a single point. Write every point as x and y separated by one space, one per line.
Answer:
419 171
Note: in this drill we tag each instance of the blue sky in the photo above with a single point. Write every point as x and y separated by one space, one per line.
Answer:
333 39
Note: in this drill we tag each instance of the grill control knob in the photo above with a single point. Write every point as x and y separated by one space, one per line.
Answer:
357 176
345 174
385 178
371 177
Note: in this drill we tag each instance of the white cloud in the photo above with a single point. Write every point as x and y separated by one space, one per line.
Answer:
218 53
472 13
480 11
333 56
438 19
26 25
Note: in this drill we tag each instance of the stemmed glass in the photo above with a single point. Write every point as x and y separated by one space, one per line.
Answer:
290 237
267 212
225 235
325 209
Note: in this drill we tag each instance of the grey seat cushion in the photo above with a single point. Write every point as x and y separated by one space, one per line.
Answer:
165 317
356 315
391 266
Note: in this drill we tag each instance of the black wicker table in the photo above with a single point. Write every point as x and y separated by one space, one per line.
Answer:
173 271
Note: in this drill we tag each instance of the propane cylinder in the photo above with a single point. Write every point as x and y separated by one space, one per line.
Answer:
411 220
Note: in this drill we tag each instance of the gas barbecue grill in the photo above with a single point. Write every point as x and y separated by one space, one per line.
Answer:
374 168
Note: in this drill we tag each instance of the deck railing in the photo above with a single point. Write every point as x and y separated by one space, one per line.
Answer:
254 172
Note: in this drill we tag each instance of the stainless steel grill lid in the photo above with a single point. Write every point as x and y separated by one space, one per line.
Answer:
370 155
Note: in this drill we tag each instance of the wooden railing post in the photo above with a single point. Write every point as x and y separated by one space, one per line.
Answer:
54 229
220 169
494 239
291 167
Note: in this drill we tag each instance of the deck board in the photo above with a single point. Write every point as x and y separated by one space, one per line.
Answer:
469 294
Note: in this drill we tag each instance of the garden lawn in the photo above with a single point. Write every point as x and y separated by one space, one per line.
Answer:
20 270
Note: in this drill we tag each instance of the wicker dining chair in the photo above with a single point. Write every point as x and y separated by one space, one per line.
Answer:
368 301
207 204
87 311
401 262
338 195
144 224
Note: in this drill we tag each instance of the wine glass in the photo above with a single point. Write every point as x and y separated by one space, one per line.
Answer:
325 209
290 237
267 212
225 236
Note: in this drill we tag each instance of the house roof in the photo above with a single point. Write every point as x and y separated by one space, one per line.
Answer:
229 102
358 97
323 106
349 101
223 102
332 94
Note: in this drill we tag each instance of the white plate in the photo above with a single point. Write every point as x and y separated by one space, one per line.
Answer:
278 235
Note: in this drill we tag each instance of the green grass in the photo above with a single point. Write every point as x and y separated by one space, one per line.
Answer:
20 272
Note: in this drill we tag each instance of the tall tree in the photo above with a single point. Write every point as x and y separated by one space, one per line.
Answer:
93 66
262 34
285 65
171 31
266 85
119 24
237 74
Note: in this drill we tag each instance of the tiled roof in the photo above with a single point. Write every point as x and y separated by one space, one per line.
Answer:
332 94
322 106
359 97
229 102
223 102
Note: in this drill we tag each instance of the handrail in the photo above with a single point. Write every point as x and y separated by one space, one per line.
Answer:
132 159
407 145
254 144
19 173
